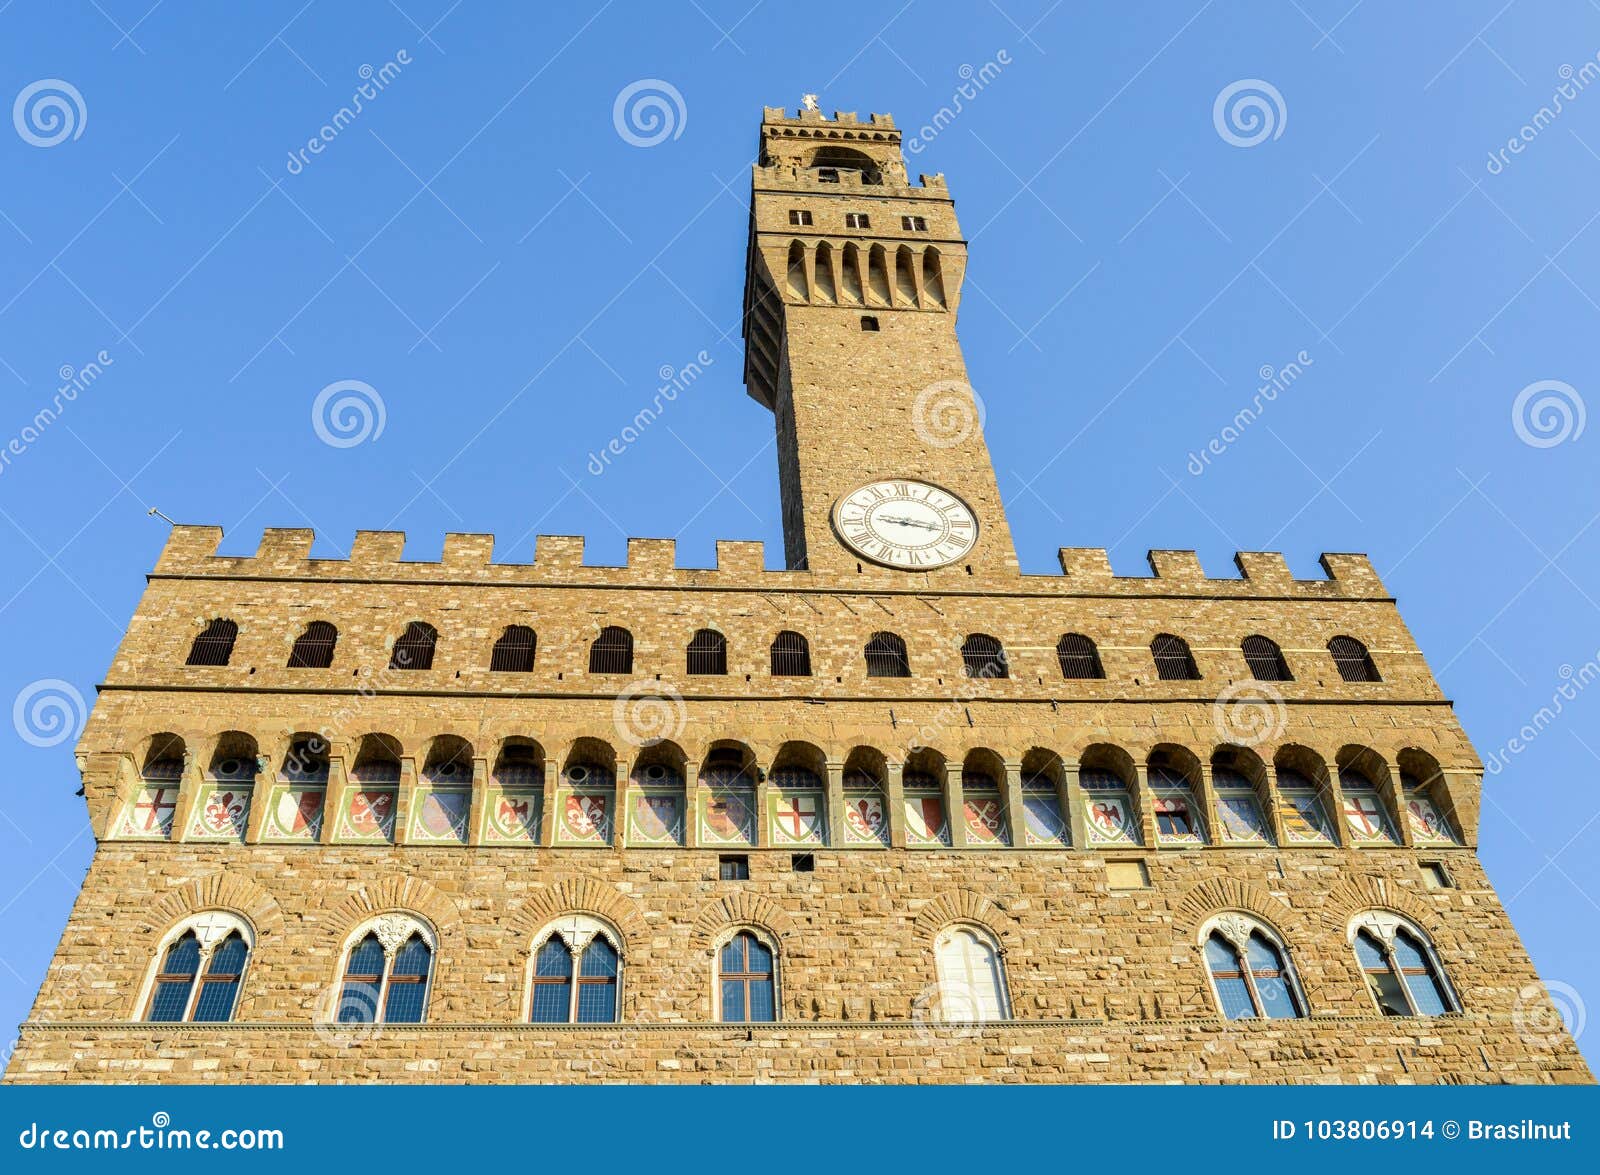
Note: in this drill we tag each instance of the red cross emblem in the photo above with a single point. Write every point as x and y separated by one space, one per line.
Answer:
1363 814
156 808
797 816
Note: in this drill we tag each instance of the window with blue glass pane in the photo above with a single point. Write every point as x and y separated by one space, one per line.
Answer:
175 980
597 983
1387 990
1271 979
748 990
552 982
1426 993
408 983
733 1001
1233 992
219 987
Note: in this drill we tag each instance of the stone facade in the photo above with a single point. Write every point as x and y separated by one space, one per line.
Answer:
1100 943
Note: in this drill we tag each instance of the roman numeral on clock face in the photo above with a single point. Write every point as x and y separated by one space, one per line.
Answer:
906 523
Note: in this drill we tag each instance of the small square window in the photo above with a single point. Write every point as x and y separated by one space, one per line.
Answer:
799 216
827 175
733 868
803 862
914 224
1434 876
868 322
1127 875
857 220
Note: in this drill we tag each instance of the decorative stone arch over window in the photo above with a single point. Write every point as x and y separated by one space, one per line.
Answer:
584 896
218 891
747 910
1402 970
586 984
965 906
187 1000
409 895
1255 976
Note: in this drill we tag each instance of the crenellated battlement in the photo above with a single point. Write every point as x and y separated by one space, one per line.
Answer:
191 551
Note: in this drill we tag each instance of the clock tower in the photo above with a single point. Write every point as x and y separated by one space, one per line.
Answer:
852 285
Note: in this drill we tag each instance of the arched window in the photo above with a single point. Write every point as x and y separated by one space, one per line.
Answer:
198 976
1401 970
576 970
513 652
1352 660
414 649
1080 660
983 656
1173 660
791 655
972 985
313 648
214 645
886 656
1265 659
708 653
387 971
1250 970
747 980
612 651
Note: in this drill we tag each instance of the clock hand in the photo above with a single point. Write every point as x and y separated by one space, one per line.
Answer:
903 521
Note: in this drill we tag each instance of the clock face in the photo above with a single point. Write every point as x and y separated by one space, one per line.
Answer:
906 524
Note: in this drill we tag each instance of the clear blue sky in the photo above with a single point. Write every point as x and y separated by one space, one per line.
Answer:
483 248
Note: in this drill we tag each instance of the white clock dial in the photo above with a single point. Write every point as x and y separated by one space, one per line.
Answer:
905 523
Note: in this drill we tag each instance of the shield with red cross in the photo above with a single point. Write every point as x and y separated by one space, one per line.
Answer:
797 819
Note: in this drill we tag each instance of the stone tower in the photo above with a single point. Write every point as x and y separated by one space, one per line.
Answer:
893 812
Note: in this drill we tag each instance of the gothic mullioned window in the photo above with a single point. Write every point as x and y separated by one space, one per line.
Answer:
886 656
612 651
1080 660
513 652
972 984
1250 970
313 648
1174 661
1352 660
214 645
414 649
1403 975
577 968
387 971
199 970
747 980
